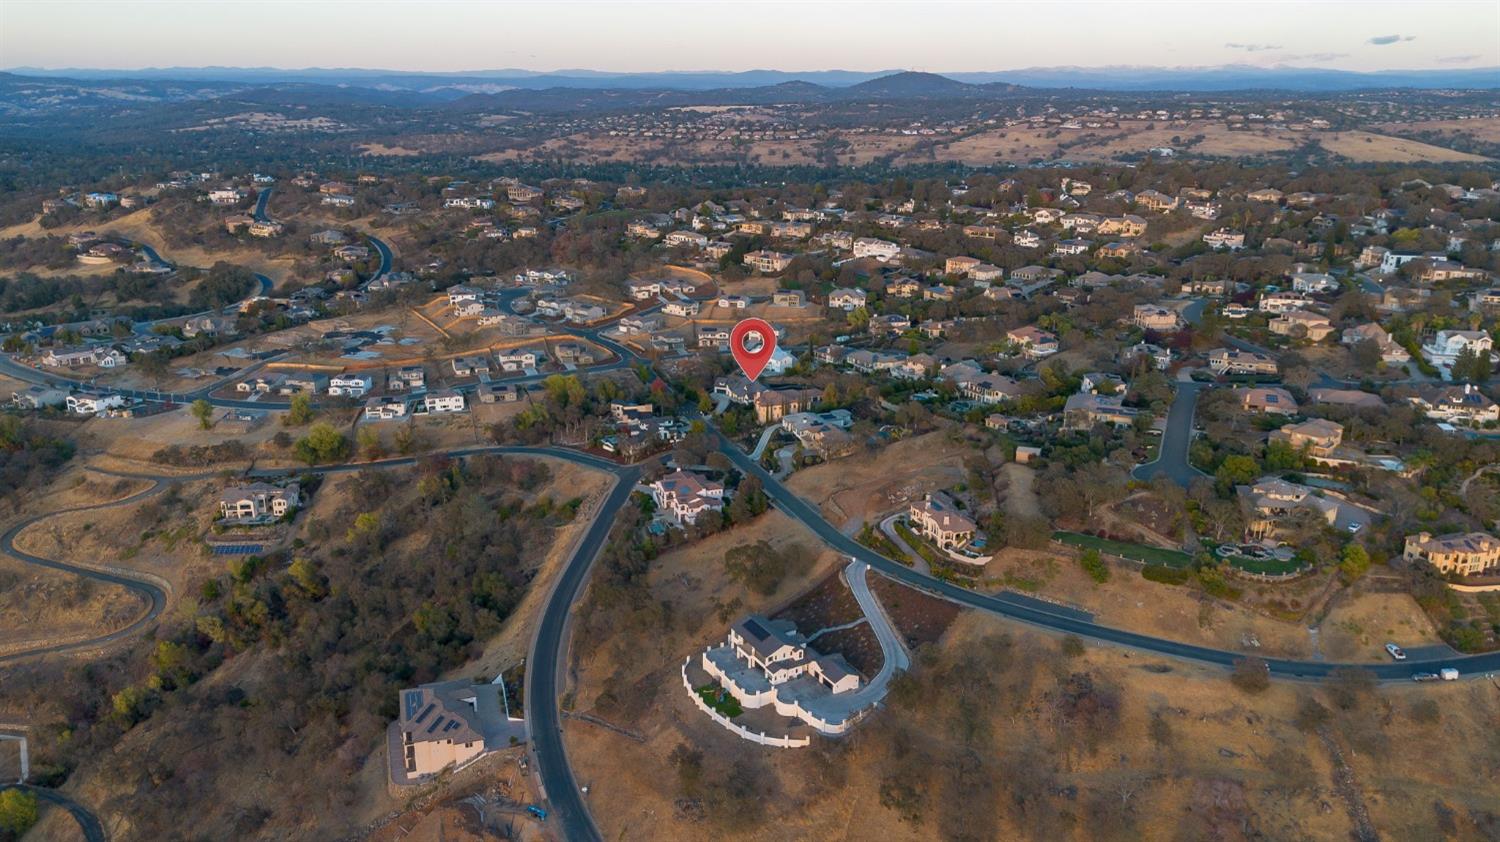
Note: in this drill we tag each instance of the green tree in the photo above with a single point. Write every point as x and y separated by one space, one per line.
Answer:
564 390
759 566
204 412
1094 565
1353 562
365 523
304 572
300 411
322 443
18 812
1281 456
1235 470
369 443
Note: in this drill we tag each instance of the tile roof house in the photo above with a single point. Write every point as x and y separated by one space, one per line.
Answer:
1084 410
1447 345
450 723
1267 399
1034 342
1155 317
1464 554
1230 361
1315 327
1269 503
1319 436
1390 352
937 518
687 495
1464 404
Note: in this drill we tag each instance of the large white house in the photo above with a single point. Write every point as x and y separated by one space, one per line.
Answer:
687 495
350 385
1447 345
878 249
767 663
443 400
258 501
93 404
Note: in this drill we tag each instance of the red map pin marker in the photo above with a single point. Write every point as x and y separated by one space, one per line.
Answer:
752 362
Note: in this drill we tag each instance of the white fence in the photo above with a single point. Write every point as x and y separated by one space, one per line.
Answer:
1473 588
745 733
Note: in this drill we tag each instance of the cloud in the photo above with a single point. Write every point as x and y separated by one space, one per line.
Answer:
1253 48
1313 57
1458 59
1382 40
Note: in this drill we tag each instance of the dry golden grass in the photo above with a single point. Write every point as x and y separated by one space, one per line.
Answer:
1367 146
380 149
863 487
1482 128
1233 766
1357 629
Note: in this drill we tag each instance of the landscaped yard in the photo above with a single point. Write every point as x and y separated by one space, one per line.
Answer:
881 544
1265 566
1124 549
719 699
920 545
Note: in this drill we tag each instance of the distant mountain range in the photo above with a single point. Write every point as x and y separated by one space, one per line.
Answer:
1224 78
22 94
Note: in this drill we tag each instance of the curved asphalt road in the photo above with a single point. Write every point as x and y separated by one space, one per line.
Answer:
260 205
156 598
548 661
1036 613
88 823
1172 460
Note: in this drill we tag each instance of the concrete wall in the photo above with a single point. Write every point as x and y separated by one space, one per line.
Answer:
1475 588
744 733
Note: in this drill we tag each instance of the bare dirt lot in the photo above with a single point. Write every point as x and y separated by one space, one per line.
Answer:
858 488
1130 602
1358 628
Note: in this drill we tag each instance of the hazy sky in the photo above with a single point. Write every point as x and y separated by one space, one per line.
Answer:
708 35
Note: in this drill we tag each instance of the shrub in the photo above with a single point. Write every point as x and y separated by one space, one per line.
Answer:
1094 565
1310 715
1251 675
17 812
1349 685
1426 711
1165 575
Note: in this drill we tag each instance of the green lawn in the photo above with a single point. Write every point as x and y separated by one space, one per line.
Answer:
1269 566
1139 552
720 700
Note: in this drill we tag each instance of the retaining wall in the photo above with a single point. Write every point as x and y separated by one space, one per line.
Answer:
744 733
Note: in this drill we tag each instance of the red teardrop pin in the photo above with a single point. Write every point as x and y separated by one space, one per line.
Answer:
752 360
